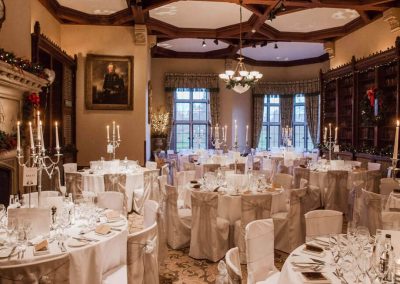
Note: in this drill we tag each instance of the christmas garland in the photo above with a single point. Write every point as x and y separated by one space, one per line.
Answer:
22 64
7 141
372 107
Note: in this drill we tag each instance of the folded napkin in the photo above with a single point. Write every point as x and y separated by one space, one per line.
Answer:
112 215
41 248
103 229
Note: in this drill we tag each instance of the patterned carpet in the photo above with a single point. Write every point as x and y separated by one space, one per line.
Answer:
181 269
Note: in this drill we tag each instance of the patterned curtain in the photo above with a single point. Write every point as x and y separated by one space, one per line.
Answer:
312 114
258 114
169 107
287 88
214 109
286 105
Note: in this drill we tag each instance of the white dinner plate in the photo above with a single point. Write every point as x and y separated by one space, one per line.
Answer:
73 243
119 224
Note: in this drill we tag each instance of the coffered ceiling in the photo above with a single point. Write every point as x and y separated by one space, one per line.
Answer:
299 27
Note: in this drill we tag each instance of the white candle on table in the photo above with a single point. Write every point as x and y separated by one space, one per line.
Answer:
247 134
108 132
396 141
226 131
31 136
57 139
325 133
336 132
211 129
235 132
38 126
113 133
330 130
41 134
18 137
119 137
216 132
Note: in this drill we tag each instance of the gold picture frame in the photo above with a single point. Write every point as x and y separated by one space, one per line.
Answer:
109 82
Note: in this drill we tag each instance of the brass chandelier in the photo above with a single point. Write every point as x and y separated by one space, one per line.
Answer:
240 80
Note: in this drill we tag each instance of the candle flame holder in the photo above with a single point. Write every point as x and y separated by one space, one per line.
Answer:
114 143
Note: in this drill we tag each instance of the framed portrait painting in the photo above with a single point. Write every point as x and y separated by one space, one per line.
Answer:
109 82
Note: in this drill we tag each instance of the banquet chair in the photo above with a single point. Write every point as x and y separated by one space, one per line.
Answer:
232 261
312 199
210 233
288 229
48 270
369 210
165 170
59 187
70 168
161 220
282 180
142 263
374 166
178 221
300 173
73 183
182 178
322 223
240 168
117 182
254 207
257 164
275 163
150 191
282 169
373 180
260 253
391 221
150 213
111 200
387 185
336 194
151 165
34 197
210 168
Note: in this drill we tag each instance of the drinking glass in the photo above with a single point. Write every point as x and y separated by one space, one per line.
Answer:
11 200
12 223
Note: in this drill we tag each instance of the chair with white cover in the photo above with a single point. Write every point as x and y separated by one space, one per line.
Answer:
371 214
232 261
373 180
187 166
210 168
288 227
391 221
151 165
73 183
178 221
282 180
298 174
336 194
312 199
387 185
374 166
210 233
254 207
260 253
48 270
111 200
117 183
282 168
322 223
70 168
161 220
182 178
34 197
150 213
142 263
337 164
150 190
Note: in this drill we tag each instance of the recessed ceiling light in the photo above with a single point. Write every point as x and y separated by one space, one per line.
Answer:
204 43
286 58
276 46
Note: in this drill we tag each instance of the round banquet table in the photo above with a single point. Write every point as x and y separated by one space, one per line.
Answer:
95 183
230 206
290 275
90 262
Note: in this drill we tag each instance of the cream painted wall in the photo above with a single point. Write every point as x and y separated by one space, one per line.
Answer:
16 29
233 105
48 24
363 42
91 124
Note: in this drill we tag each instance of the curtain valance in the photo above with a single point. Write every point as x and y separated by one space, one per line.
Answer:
287 88
182 80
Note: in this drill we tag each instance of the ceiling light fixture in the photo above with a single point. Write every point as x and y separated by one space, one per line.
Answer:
240 80
216 41
204 43
276 46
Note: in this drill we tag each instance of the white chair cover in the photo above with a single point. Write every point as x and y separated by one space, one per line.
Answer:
312 199
70 167
150 213
49 270
236 181
209 236
53 201
187 166
260 250
336 195
181 180
289 233
373 180
337 164
117 183
322 223
391 221
178 227
151 191
73 184
298 174
111 200
151 165
161 221
39 218
387 185
43 196
282 180
374 166
254 207
371 214
232 260
142 263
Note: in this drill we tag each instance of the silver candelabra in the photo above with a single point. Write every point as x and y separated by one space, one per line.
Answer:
330 144
287 136
114 143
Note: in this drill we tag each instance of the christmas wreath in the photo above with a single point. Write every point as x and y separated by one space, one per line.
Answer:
372 107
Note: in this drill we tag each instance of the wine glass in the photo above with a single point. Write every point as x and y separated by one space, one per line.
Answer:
11 225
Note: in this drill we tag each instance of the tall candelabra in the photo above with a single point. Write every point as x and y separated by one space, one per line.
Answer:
287 136
114 143
38 157
328 141
216 141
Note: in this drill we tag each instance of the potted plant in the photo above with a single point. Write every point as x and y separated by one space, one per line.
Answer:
159 127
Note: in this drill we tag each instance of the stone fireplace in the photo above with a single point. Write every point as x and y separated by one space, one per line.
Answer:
13 84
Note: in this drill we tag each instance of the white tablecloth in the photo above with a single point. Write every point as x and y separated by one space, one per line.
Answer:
95 183
90 262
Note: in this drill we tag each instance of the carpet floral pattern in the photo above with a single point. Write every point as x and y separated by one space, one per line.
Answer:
179 268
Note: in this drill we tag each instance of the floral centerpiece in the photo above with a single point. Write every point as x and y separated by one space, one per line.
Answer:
372 107
159 128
